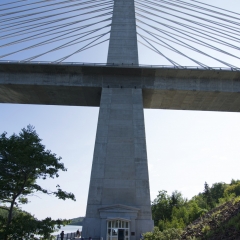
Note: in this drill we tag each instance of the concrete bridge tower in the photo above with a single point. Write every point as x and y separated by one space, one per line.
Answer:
119 204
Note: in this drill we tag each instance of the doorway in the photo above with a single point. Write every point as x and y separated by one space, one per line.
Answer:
120 234
118 230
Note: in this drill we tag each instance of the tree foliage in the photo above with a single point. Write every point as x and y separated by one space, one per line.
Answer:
233 189
24 160
217 191
207 194
25 226
175 212
168 234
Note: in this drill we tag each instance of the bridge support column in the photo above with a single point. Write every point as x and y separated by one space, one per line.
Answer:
119 185
123 37
119 195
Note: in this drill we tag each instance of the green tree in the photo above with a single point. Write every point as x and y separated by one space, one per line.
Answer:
217 191
169 211
181 213
208 196
161 207
233 189
200 200
233 181
173 212
23 160
194 210
24 226
177 199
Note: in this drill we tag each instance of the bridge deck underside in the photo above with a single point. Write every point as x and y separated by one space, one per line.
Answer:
50 95
182 89
192 100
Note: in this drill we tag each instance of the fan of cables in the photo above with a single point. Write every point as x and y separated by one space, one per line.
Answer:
190 32
175 32
54 31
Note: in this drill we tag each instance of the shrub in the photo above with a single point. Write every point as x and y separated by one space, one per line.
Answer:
206 229
169 234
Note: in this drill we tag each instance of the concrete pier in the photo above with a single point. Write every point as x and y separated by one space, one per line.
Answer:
119 204
119 186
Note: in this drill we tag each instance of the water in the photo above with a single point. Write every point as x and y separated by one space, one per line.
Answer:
68 229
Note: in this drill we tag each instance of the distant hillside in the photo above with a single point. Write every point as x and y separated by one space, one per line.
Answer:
222 222
77 221
211 215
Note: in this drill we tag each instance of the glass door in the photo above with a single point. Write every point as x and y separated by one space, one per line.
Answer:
118 230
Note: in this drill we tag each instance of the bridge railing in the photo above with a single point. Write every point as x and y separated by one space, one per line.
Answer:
67 236
70 236
123 65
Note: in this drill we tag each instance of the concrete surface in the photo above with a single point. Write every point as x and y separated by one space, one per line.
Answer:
119 185
183 89
123 37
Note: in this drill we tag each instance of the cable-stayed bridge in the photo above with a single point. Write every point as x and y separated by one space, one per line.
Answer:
119 200
172 32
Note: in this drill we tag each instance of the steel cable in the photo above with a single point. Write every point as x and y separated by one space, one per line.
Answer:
194 6
203 19
201 52
204 44
12 2
25 10
28 4
53 15
52 50
192 33
184 44
175 50
171 61
222 9
26 31
197 23
64 58
195 29
56 38
40 44
13 27
36 36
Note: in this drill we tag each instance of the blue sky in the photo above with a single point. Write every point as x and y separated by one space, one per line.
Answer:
185 148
